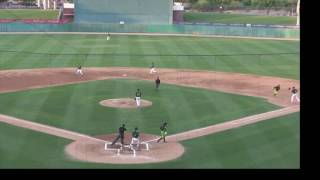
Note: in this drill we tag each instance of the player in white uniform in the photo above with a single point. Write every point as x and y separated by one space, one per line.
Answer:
108 36
79 71
138 97
152 69
294 95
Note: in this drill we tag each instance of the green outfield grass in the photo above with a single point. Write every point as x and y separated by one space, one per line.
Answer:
140 51
269 144
28 14
212 17
77 108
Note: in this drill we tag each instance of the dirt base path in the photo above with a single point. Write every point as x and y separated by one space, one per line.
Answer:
251 85
244 84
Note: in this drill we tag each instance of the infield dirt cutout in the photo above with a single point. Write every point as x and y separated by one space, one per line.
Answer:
127 103
92 150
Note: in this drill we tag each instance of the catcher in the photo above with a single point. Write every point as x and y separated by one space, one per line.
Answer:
135 139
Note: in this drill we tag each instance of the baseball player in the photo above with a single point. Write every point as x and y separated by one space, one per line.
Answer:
135 138
163 129
276 90
108 36
157 82
138 97
294 94
79 71
121 131
152 69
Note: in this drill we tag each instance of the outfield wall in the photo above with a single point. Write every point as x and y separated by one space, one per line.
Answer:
244 31
127 11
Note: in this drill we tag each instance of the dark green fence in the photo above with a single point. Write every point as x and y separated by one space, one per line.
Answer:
221 30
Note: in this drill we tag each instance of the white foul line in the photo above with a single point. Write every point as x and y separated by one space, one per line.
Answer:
180 136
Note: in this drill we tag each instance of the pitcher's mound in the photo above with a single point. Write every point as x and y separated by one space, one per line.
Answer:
124 103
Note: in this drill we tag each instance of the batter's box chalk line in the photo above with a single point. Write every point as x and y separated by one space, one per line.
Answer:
118 148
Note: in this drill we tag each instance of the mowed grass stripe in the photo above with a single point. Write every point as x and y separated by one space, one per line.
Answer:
72 104
152 48
124 60
124 46
27 59
78 59
112 46
163 48
24 148
91 43
47 60
135 48
244 64
114 59
263 66
208 47
10 59
190 61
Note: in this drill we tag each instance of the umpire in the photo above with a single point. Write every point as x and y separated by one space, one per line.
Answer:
121 131
157 83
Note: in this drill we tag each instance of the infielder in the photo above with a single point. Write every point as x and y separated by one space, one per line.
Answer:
276 90
294 95
157 82
163 129
152 69
121 131
135 139
79 71
138 97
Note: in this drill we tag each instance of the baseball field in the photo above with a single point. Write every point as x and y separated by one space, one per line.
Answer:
215 95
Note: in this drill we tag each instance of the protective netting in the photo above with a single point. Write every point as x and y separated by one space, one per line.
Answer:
128 11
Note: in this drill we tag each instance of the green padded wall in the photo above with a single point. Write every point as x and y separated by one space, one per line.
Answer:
128 11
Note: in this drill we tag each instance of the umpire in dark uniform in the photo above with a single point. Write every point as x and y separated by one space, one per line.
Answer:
157 83
121 131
